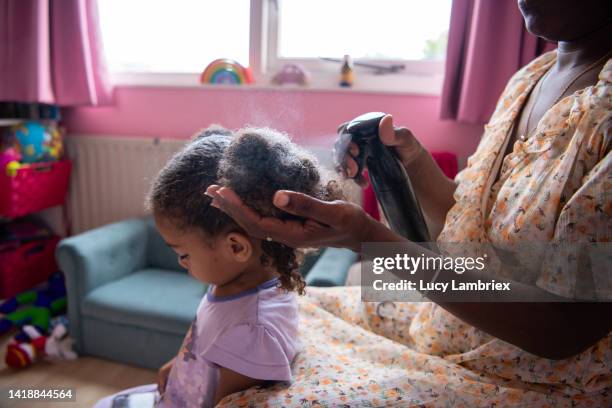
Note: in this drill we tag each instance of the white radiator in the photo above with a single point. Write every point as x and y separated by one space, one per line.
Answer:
111 176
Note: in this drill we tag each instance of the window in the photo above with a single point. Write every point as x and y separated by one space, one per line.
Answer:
178 36
174 40
378 30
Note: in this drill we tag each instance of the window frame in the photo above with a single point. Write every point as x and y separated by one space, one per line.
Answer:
423 77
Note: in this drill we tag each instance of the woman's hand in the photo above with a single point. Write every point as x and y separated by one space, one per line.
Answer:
336 224
162 375
432 187
406 147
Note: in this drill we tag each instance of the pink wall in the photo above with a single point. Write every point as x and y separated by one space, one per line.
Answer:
311 117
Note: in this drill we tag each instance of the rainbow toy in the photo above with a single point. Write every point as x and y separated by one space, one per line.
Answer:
226 71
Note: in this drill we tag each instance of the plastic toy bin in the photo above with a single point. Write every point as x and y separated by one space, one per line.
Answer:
27 265
33 187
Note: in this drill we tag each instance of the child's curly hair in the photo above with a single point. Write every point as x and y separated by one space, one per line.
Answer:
255 163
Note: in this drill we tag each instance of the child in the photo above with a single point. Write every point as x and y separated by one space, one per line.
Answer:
245 330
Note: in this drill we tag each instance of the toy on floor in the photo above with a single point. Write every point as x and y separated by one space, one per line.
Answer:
47 303
32 345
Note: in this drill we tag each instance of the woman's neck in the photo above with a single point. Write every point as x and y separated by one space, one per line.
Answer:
584 50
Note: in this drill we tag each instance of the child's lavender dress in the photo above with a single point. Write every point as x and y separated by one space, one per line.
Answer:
254 333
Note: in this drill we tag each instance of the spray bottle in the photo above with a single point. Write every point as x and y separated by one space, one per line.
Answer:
387 174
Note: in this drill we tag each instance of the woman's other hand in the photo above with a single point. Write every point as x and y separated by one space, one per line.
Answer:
432 187
333 224
162 375
402 140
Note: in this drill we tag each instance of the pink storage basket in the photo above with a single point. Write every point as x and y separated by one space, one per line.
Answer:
33 188
27 265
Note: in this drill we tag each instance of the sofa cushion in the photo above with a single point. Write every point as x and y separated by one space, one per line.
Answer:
156 299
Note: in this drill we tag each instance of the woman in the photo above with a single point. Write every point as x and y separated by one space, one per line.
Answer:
542 172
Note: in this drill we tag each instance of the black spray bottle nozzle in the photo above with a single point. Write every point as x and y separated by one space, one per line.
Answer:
366 125
388 176
361 131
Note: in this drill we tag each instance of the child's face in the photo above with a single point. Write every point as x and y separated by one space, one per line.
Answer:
216 261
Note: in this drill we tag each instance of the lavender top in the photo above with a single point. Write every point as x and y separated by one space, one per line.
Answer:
254 333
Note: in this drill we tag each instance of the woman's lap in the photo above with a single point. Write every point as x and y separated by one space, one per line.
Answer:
388 319
341 363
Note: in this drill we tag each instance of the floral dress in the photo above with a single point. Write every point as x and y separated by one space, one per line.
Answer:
553 187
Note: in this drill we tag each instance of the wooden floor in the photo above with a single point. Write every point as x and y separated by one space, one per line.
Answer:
93 378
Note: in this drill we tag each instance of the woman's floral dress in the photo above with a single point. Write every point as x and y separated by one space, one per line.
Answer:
554 187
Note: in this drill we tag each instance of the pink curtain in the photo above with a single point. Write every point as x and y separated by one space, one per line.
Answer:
487 43
50 52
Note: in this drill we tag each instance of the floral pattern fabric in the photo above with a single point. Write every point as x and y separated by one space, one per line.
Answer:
553 187
356 355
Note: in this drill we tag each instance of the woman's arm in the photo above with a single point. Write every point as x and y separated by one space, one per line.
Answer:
231 382
555 330
552 330
433 189
431 186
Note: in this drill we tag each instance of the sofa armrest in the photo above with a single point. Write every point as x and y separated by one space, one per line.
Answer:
104 254
331 268
94 258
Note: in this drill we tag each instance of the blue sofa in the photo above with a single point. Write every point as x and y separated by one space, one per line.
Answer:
130 301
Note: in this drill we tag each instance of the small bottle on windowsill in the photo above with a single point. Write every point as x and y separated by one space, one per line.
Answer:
346 72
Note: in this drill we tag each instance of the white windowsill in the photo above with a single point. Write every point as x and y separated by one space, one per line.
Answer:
404 84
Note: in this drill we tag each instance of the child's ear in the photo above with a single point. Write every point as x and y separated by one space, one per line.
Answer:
238 246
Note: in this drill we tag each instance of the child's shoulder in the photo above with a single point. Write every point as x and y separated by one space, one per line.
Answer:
276 304
262 340
266 305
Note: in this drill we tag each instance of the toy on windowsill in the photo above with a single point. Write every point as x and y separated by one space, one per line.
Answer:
32 345
226 71
48 302
291 74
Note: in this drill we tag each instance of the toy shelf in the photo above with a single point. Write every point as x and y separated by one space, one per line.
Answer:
26 189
